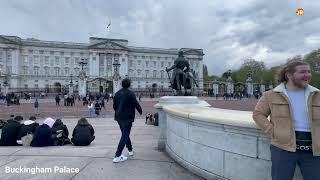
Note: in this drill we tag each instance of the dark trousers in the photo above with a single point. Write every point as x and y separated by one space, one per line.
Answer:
284 164
125 128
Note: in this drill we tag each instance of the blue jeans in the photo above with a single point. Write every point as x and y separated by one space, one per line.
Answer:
125 128
284 164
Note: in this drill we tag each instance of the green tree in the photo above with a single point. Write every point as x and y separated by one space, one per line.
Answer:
249 66
206 76
313 59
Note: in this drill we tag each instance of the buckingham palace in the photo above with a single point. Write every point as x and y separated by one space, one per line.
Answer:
53 66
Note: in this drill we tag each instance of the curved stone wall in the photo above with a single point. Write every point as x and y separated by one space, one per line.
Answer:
216 143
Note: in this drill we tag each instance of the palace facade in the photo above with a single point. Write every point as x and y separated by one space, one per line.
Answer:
36 64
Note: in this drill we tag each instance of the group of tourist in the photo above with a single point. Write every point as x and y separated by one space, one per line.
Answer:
51 132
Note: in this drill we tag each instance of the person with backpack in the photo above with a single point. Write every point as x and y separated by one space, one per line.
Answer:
60 128
28 127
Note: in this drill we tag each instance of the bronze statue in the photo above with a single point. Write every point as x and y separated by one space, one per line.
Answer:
182 76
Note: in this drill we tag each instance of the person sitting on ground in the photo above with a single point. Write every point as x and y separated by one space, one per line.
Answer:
43 134
57 128
10 132
28 127
83 133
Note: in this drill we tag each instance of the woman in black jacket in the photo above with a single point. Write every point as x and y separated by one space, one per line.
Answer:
83 133
43 134
57 128
10 130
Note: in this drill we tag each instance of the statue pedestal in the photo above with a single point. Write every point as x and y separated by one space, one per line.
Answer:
71 89
82 88
172 100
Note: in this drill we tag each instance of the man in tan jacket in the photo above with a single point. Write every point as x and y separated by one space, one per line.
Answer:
294 124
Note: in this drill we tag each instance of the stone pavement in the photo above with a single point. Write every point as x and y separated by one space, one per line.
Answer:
48 108
95 161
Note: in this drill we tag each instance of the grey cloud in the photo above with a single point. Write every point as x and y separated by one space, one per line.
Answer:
227 30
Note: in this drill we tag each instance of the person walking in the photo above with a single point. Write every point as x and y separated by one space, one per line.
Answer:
294 126
124 104
36 106
57 98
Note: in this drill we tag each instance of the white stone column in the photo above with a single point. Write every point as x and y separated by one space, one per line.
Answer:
71 89
250 89
82 87
215 88
262 88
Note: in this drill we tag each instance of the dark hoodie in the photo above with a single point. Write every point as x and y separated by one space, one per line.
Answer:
9 133
83 135
28 126
58 125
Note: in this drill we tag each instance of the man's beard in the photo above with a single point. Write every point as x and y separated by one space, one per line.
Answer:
299 83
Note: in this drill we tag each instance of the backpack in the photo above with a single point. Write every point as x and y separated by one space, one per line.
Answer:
26 140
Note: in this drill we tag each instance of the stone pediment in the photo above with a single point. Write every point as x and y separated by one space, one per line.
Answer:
108 45
193 52
6 40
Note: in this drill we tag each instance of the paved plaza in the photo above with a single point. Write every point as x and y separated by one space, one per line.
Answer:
95 161
49 108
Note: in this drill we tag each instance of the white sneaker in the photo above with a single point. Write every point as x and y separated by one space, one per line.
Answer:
120 159
130 153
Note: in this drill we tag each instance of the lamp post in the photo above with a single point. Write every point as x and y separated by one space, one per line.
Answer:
82 79
5 82
116 76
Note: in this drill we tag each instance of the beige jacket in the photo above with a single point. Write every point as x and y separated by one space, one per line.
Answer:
275 104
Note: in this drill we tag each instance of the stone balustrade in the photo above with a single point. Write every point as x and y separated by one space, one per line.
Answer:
214 143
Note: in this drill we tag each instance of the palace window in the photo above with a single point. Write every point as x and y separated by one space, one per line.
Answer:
67 61
66 71
46 60
57 60
46 71
146 73
147 63
154 73
25 70
36 70
56 71
36 60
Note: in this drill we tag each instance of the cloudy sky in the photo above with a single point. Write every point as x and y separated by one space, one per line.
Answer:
228 31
